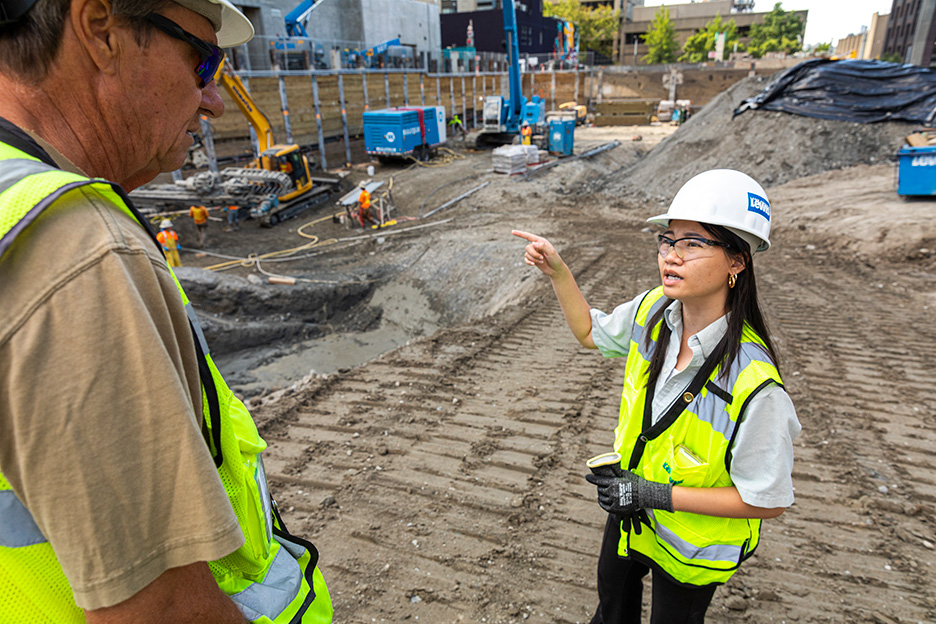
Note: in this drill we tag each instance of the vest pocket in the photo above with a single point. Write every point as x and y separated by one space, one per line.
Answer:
682 466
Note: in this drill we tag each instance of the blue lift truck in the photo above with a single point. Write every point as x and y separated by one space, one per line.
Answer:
297 50
414 131
502 117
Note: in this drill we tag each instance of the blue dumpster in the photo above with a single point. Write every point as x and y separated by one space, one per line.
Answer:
561 136
916 172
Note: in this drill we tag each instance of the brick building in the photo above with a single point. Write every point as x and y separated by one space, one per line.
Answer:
911 31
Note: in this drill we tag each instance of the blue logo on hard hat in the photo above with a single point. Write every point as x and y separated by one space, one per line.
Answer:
759 204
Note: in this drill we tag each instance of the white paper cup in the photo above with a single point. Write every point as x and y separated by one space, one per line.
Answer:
605 465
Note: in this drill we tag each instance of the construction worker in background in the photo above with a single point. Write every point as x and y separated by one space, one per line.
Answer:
365 217
169 240
199 215
704 442
132 487
233 215
458 127
526 133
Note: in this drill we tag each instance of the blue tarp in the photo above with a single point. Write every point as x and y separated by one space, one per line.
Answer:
851 90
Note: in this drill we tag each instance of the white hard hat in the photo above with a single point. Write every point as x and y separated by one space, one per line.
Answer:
165 224
724 197
231 25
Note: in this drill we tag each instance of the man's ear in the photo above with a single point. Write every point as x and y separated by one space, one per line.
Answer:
94 28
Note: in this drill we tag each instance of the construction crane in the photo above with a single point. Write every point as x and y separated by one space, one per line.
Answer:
502 117
280 171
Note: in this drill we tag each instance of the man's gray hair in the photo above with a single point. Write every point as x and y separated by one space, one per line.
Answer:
29 47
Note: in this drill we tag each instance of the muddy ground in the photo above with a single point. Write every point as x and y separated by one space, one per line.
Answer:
442 480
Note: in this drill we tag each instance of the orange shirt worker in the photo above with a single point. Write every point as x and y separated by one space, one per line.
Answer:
199 215
169 240
526 133
364 205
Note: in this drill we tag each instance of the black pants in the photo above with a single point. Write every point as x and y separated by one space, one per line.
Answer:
620 588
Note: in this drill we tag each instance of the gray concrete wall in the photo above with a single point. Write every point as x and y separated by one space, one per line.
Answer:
413 22
356 22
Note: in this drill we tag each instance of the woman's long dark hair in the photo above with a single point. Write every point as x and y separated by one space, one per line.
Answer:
742 303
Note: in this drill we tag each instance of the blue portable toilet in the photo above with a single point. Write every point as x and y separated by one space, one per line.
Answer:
561 136
916 170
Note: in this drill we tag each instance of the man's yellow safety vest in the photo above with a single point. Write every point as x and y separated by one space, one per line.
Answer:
690 445
273 577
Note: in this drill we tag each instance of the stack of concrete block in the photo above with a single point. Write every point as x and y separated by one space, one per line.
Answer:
509 159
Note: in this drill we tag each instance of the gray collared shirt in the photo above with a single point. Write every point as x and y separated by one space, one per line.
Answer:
762 455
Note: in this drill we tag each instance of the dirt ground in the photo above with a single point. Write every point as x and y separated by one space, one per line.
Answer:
429 414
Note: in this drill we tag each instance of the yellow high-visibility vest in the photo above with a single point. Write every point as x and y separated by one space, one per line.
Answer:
273 577
689 446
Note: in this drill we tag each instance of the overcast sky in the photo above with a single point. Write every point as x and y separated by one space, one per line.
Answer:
829 20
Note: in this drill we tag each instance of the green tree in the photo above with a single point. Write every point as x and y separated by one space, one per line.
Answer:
892 57
780 31
660 39
596 26
819 48
702 42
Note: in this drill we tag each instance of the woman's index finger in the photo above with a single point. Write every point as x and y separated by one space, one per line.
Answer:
533 238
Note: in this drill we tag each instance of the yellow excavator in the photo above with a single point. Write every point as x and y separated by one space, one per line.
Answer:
282 158
275 186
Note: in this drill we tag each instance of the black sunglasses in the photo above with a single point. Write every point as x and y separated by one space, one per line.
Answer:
211 55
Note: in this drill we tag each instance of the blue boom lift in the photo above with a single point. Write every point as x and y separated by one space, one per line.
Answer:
502 117
298 18
296 50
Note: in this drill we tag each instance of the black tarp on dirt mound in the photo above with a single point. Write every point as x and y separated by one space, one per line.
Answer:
861 91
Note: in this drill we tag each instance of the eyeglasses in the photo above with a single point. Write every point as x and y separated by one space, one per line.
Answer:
688 248
211 55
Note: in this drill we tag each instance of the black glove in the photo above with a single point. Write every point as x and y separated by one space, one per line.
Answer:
629 493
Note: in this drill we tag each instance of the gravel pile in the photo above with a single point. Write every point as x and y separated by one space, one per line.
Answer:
772 147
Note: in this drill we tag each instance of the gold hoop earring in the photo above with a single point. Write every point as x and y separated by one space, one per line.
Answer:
732 279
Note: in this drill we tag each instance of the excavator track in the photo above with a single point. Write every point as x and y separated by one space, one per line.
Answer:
232 186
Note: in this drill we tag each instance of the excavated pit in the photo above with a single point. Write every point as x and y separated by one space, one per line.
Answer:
443 480
361 295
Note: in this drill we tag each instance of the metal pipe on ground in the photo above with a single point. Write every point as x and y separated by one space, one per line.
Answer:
456 200
592 152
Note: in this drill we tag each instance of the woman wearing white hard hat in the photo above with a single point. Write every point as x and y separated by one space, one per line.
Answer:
703 448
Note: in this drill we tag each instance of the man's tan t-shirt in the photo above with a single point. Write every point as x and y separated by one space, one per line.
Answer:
100 403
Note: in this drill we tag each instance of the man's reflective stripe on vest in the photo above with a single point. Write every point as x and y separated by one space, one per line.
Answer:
14 170
280 586
17 527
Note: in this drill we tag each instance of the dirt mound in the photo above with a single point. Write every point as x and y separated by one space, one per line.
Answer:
772 147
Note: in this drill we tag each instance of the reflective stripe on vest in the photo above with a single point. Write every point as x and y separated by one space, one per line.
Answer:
17 527
291 588
693 450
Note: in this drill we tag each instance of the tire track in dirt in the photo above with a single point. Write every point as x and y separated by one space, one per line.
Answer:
453 468
443 481
858 544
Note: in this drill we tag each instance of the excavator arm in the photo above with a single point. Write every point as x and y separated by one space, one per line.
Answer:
241 96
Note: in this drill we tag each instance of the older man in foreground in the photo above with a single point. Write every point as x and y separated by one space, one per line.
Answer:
131 478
